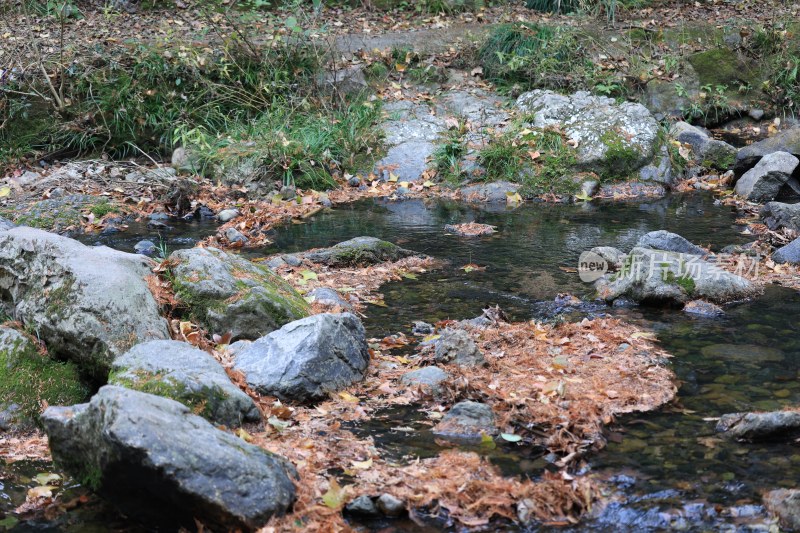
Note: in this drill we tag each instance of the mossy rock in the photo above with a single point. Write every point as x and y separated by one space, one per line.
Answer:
183 373
229 294
721 66
359 251
29 381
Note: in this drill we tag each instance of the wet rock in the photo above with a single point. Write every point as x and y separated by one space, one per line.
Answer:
611 255
233 235
116 445
422 328
360 251
344 81
307 359
632 190
429 378
760 426
88 304
467 421
563 305
391 505
6 224
778 215
615 139
785 141
58 215
749 249
190 376
147 248
288 192
363 505
785 504
329 298
158 217
456 346
671 242
756 114
706 150
669 278
702 308
742 352
228 293
493 192
354 181
764 181
789 253
29 380
659 172
226 215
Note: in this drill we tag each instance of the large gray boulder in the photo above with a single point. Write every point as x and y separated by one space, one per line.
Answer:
229 294
778 215
183 373
705 150
613 139
760 426
29 379
359 251
785 141
308 359
785 504
671 242
88 304
789 253
428 378
410 133
669 278
156 460
764 181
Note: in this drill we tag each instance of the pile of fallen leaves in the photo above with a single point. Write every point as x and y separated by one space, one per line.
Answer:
470 229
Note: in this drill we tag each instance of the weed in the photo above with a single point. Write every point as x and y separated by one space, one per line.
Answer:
448 155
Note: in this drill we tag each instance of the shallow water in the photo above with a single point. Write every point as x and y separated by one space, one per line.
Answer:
747 360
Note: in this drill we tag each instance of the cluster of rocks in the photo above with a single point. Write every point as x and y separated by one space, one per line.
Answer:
92 308
665 269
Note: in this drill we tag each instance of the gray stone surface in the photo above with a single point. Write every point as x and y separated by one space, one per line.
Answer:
228 293
785 141
359 251
703 309
662 98
785 505
613 256
456 346
5 224
233 235
705 150
88 304
147 248
181 372
597 124
407 161
226 215
764 181
308 359
660 171
390 505
789 253
760 426
671 242
778 215
329 298
493 192
344 81
429 378
410 131
155 460
669 278
467 420
363 505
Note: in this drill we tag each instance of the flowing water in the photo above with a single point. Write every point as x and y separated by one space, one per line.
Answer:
670 467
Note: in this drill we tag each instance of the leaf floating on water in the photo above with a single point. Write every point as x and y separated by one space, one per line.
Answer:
393 177
647 335
513 198
46 478
336 495
510 437
472 267
408 275
487 442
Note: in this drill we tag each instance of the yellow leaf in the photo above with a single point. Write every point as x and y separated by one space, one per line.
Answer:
244 435
346 396
393 177
430 338
336 495
400 67
403 184
362 465
644 335
513 198
5 191
428 184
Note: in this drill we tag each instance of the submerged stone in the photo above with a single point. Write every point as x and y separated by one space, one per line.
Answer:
158 462
184 373
742 352
785 504
359 251
761 426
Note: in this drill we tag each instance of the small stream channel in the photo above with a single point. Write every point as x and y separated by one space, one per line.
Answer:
671 469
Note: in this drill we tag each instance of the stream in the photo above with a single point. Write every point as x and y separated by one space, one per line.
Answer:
670 469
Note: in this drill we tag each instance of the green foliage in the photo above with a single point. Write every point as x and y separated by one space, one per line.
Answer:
619 157
533 55
102 208
448 155
31 380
